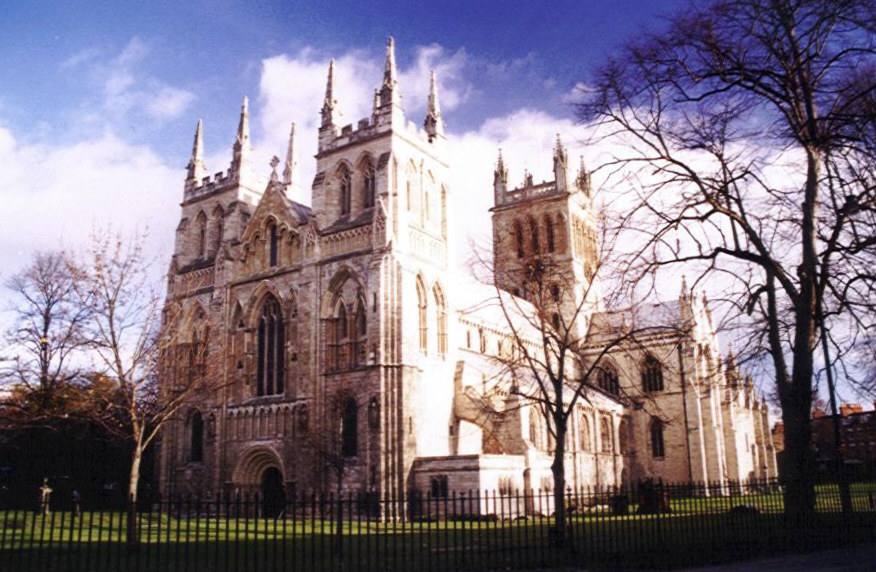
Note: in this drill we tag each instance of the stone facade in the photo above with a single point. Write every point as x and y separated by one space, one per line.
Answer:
344 344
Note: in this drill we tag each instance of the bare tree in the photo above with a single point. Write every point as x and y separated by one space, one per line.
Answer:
559 342
132 345
746 151
43 342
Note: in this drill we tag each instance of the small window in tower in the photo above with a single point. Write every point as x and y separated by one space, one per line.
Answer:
555 321
346 191
533 231
518 234
369 186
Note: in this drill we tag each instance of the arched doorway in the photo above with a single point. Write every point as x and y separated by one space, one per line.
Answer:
273 494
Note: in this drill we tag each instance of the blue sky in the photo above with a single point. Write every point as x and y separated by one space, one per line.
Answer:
98 100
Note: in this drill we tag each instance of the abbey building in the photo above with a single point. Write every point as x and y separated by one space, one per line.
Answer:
341 343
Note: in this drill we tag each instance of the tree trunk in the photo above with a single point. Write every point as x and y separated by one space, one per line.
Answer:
132 534
558 468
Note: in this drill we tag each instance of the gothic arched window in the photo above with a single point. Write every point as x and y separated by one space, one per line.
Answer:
346 186
518 235
196 437
218 228
338 337
584 434
271 344
658 451
605 435
550 236
441 316
608 379
623 436
533 232
350 428
370 185
201 235
652 375
422 303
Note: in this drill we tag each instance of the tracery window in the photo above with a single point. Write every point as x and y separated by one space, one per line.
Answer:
338 337
652 375
271 344
608 379
658 450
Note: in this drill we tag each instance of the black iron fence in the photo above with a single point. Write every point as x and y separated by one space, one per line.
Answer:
651 524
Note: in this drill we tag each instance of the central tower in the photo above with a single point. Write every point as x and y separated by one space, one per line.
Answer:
544 238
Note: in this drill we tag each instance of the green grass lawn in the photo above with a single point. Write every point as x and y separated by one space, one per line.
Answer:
698 530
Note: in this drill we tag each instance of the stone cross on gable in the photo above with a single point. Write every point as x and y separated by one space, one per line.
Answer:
274 162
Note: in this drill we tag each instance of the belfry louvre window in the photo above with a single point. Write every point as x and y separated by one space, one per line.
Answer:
652 375
271 349
518 236
346 191
369 186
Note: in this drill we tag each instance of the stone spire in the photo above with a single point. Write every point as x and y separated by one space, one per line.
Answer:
500 180
583 179
389 110
389 69
561 163
329 111
241 162
290 171
434 123
196 168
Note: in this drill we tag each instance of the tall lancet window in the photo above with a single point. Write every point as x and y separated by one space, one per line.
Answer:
271 349
518 236
370 185
533 231
441 316
201 235
550 235
346 184
338 338
422 303
274 247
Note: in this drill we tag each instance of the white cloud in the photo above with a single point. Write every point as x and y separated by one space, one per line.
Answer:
126 89
53 196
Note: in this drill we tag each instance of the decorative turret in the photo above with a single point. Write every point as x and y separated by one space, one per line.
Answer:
196 168
330 114
389 110
241 163
290 171
732 368
434 123
561 165
582 181
500 180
